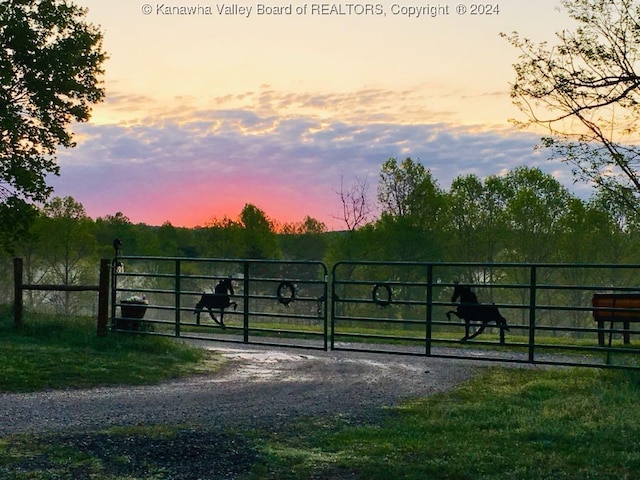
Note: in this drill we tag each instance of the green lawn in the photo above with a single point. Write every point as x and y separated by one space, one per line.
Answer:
57 352
506 423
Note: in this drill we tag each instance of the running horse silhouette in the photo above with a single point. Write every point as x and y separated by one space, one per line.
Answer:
470 310
219 299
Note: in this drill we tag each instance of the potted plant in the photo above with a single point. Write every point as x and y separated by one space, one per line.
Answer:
133 309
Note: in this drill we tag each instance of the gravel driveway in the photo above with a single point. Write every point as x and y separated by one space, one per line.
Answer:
257 387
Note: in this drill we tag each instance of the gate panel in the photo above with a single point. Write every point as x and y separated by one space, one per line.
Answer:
389 307
407 308
269 302
380 307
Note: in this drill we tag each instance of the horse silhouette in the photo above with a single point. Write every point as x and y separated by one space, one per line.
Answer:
471 310
219 299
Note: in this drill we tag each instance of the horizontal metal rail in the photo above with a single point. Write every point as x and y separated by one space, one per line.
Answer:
551 322
275 299
394 307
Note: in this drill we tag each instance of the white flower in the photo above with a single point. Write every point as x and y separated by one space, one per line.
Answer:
136 299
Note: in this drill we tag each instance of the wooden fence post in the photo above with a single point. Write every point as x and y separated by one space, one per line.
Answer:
17 292
103 297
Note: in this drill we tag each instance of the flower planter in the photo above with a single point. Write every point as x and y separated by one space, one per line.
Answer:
132 313
133 309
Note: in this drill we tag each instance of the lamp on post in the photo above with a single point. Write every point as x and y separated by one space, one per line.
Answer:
116 267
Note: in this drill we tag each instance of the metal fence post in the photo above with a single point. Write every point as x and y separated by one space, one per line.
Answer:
246 302
332 303
429 330
532 314
325 308
177 284
17 292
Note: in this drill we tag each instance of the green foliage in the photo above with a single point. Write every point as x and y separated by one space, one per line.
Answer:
16 217
506 423
253 235
408 190
474 224
524 215
306 240
50 62
258 234
585 91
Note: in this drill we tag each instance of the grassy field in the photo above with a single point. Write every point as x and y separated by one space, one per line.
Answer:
57 352
507 423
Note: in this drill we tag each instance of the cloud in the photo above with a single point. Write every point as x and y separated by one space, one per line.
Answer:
285 153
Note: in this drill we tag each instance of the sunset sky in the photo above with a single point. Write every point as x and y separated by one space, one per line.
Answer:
207 112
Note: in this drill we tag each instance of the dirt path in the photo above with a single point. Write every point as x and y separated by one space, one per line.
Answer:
258 387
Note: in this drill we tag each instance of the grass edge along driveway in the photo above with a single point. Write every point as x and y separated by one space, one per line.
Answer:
506 423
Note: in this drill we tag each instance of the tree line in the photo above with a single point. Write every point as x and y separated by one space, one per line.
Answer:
525 215
582 89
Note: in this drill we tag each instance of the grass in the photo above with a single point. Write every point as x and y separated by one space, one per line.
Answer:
505 424
55 352
521 424
119 453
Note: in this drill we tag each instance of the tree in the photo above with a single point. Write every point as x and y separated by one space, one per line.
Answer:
397 183
308 226
408 191
16 217
356 207
50 62
304 240
223 239
585 92
413 207
260 240
70 246
588 234
534 204
119 226
471 220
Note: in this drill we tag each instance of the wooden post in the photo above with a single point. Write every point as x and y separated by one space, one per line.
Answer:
103 297
17 292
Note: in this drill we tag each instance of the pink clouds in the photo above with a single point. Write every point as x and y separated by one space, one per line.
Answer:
187 166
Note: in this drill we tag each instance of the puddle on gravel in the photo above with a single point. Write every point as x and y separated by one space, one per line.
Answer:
263 365
269 365
261 355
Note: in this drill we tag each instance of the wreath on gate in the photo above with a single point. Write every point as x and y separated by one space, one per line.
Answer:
290 296
382 301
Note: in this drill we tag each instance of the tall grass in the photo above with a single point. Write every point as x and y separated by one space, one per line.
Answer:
50 351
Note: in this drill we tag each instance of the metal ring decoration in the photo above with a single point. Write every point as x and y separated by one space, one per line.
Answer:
286 299
383 302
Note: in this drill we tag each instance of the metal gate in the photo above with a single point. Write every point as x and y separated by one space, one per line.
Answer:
551 311
388 307
270 302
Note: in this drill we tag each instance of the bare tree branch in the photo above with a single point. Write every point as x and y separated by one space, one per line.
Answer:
356 206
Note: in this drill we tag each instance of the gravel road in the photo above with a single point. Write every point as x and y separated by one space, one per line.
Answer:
258 390
257 387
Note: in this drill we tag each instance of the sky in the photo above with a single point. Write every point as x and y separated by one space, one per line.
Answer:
278 104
